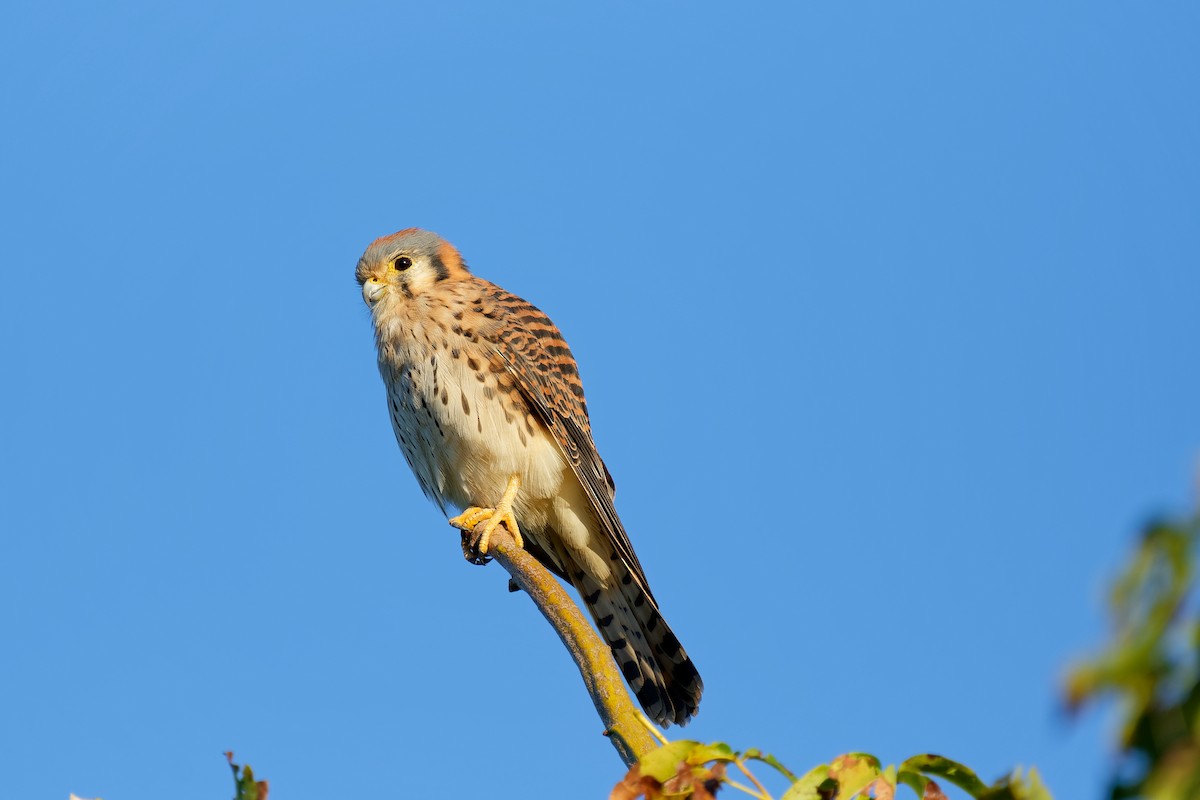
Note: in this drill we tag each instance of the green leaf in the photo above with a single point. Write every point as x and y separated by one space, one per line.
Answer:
1037 789
1016 787
247 789
717 751
960 776
243 780
808 787
661 764
913 780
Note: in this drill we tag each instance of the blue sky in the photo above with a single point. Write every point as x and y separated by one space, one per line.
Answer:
887 315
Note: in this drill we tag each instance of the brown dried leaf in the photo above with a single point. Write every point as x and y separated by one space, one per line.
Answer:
695 782
706 782
882 788
635 785
933 792
681 782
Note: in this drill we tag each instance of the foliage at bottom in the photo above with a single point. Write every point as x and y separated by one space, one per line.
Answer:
690 769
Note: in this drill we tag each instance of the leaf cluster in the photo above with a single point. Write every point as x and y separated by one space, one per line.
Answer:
1151 667
688 769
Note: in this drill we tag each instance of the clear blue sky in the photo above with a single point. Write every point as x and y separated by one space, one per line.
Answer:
887 313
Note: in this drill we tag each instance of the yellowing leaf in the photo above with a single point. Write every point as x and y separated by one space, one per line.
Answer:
854 772
809 786
662 764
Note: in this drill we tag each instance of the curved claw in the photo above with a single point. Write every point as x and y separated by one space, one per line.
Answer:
470 553
475 538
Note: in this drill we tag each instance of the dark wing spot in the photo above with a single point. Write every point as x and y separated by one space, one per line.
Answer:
670 645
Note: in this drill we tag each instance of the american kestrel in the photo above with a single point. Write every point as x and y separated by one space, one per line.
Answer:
487 405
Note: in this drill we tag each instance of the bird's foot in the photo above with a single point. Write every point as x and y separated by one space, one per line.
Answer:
477 524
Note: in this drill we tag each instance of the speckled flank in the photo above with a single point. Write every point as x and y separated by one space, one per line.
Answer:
482 386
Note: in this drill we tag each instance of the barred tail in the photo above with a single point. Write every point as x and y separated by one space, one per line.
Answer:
653 662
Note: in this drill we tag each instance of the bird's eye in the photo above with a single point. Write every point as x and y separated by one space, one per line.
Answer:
402 263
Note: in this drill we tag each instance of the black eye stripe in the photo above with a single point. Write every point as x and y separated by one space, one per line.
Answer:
402 262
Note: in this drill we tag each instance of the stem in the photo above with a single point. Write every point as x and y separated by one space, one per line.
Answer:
650 727
746 789
750 775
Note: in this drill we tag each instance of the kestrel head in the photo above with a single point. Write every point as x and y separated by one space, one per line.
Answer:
406 264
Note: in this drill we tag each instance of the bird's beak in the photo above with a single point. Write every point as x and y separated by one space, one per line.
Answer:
373 290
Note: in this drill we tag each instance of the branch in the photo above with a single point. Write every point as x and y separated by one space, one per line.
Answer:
622 721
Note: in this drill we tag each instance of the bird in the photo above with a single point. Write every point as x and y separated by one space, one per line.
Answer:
487 405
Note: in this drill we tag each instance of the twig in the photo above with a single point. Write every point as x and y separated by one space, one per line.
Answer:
762 789
648 725
593 657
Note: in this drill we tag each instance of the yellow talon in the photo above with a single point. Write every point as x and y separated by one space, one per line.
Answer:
501 513
471 517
